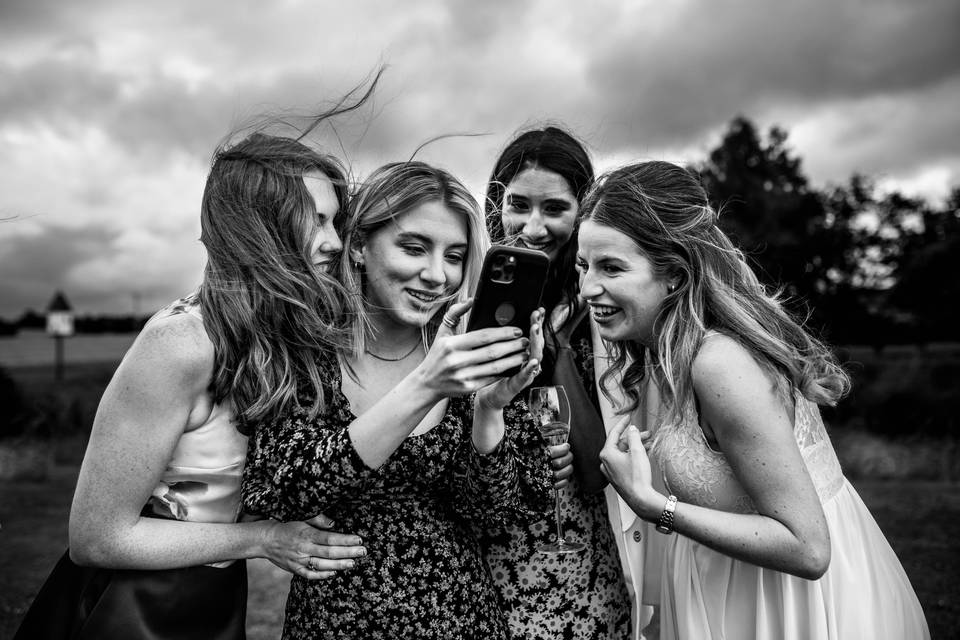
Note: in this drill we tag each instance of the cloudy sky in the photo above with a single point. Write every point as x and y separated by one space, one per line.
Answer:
109 110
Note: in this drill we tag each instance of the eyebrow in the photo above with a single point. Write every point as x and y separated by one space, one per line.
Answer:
411 235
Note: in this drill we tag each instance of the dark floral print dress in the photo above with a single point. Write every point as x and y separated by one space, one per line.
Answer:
579 596
424 575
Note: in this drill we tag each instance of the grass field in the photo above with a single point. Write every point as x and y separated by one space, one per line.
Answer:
921 520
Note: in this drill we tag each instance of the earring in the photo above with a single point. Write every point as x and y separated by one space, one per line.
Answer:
357 264
671 288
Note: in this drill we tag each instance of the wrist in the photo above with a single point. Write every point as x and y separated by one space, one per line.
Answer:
648 504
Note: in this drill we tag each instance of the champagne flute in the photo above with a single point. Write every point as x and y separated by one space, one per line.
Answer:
551 410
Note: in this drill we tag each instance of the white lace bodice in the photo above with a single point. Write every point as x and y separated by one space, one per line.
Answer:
698 474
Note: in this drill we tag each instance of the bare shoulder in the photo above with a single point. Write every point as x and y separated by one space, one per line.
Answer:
175 345
725 370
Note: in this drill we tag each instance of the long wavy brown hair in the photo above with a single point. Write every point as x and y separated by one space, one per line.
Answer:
664 210
269 311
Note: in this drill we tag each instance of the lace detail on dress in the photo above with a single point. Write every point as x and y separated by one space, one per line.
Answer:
698 474
693 471
816 448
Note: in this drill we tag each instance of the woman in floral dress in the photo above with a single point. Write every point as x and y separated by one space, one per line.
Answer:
533 201
410 448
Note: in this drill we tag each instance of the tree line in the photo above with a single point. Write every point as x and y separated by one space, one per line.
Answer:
863 267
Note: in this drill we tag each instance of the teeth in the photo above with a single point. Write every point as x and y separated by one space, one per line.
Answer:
423 297
603 312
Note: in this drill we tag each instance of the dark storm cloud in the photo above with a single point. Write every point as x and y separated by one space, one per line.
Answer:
34 266
720 59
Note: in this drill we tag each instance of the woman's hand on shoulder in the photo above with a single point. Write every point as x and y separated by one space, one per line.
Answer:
309 549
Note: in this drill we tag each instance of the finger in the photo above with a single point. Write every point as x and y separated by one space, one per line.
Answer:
563 472
320 521
614 436
495 351
604 471
632 436
536 334
483 337
327 564
316 575
560 484
559 450
563 461
495 370
330 552
334 538
452 317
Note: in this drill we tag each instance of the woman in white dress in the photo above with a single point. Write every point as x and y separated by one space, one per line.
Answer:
769 539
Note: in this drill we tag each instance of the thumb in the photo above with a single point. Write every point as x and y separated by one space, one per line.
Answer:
453 316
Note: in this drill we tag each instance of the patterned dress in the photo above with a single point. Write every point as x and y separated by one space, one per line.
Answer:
424 575
571 596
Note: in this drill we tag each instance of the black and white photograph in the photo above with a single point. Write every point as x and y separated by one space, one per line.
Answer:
503 320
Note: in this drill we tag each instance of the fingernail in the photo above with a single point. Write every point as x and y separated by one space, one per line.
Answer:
517 332
360 552
350 564
525 342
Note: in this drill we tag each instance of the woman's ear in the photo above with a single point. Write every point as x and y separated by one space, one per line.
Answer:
356 255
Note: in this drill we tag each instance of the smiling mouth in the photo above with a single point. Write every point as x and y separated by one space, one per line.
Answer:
603 313
539 246
423 296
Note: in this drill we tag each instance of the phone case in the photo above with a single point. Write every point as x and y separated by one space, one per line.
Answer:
511 285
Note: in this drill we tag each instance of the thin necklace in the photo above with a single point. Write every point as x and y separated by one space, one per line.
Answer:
403 357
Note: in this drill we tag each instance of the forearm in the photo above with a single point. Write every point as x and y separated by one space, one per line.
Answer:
488 427
754 538
153 543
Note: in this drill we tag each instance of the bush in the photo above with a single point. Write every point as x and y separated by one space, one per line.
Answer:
902 391
15 418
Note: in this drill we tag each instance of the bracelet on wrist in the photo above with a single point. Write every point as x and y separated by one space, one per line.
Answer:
665 522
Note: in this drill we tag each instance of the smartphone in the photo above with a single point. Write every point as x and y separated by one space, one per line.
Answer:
510 287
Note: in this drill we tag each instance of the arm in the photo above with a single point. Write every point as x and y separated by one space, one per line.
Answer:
298 467
157 392
755 431
507 475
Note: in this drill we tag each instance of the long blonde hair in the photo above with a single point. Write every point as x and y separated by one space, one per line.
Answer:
389 192
664 210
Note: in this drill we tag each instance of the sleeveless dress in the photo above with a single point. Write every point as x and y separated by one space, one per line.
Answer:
575 596
423 576
703 593
201 483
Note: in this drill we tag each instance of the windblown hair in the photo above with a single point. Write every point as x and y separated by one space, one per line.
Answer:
550 149
664 210
269 311
390 192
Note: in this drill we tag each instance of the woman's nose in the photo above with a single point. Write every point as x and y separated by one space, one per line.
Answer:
433 272
534 227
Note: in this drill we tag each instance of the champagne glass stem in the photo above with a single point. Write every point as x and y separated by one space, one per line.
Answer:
556 514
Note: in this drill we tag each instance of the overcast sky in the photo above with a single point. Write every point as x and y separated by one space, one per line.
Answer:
109 110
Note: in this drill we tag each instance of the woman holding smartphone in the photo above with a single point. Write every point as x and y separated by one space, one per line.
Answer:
533 201
411 447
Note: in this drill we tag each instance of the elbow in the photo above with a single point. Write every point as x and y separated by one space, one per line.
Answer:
89 549
815 560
